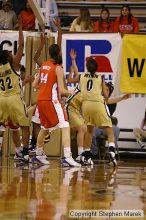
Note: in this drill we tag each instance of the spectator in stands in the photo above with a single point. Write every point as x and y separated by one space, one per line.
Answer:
28 18
83 23
126 23
140 133
53 12
0 5
18 6
104 24
8 18
99 135
111 107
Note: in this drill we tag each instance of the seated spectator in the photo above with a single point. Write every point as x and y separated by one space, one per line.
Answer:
101 134
83 23
140 133
0 5
126 23
104 24
53 12
111 107
28 18
8 18
18 6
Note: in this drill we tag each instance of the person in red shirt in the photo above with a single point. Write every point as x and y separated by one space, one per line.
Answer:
51 87
104 24
126 23
28 18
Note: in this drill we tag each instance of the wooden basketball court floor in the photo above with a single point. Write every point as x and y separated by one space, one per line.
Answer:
32 192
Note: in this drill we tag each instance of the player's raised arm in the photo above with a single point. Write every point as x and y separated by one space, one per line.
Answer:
113 100
60 81
104 90
73 76
17 58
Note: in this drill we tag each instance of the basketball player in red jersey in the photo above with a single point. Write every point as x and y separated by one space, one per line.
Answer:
51 86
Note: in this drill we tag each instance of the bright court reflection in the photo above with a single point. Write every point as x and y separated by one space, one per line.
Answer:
49 192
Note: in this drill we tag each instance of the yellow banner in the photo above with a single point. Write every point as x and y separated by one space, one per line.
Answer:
133 75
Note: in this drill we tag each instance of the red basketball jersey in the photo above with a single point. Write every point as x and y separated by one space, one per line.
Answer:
48 89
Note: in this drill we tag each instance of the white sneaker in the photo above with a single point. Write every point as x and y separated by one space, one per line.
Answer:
44 155
86 158
40 159
141 144
70 162
78 158
20 157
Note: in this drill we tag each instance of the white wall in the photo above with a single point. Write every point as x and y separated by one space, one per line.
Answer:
130 112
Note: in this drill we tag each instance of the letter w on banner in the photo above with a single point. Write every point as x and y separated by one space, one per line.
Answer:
105 48
133 75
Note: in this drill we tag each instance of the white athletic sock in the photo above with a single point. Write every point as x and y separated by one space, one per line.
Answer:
39 151
141 144
87 149
67 152
111 144
80 150
112 147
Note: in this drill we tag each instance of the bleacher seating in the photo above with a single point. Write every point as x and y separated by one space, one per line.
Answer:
127 145
116 1
68 10
136 1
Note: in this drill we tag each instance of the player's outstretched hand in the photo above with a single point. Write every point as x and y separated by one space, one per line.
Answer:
73 54
126 96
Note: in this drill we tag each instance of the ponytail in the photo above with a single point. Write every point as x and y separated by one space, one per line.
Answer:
91 66
54 52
